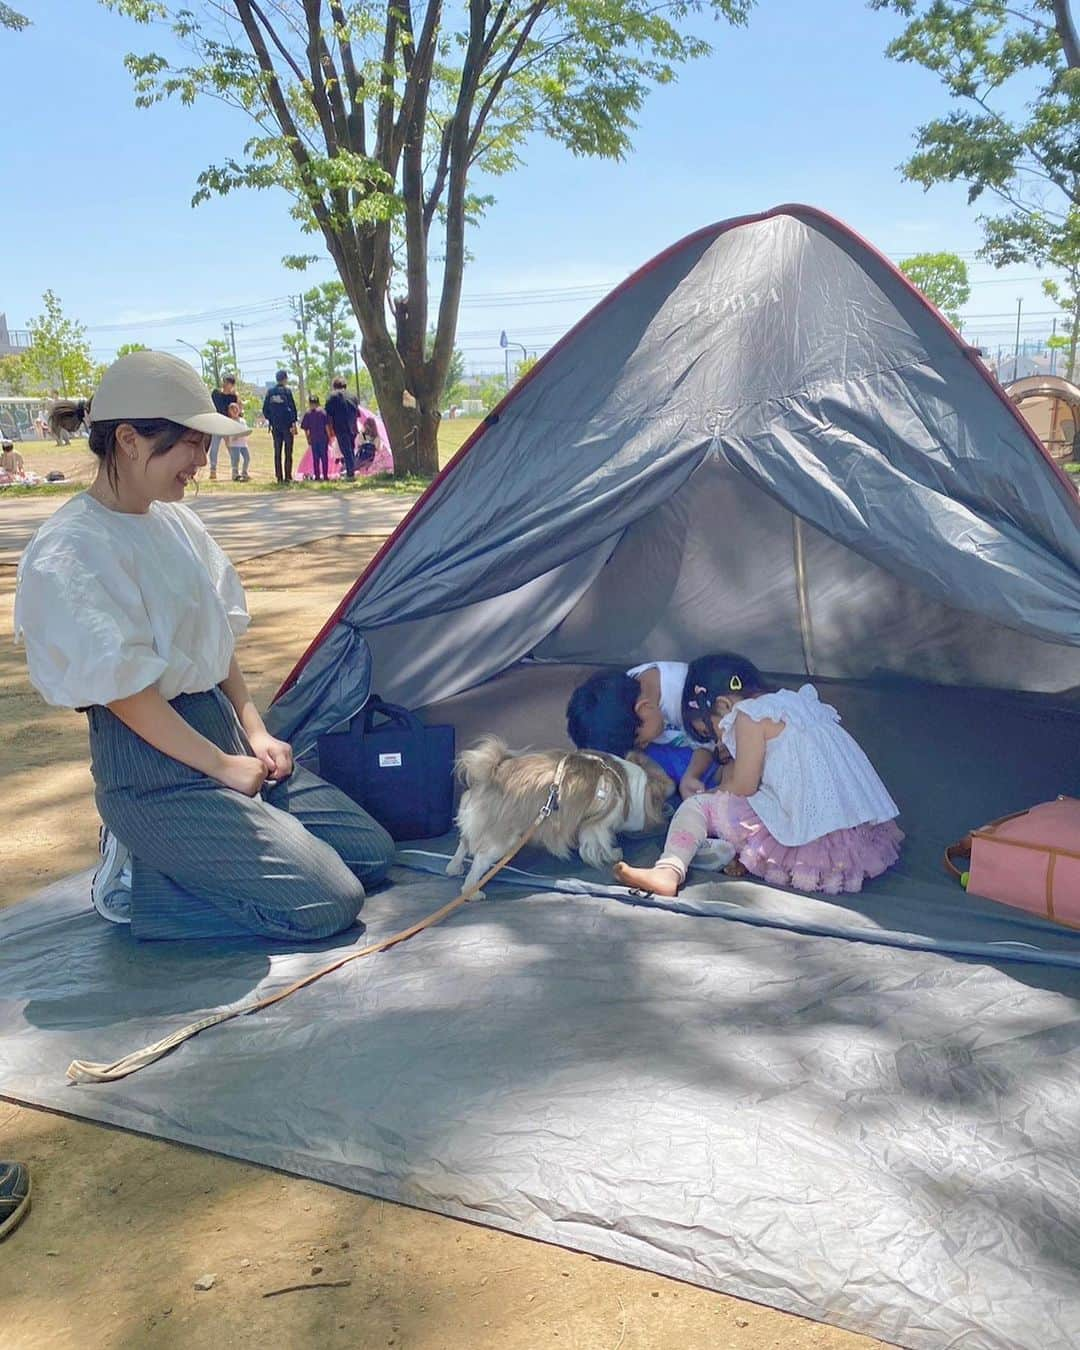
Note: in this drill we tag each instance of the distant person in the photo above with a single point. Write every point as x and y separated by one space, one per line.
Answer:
239 452
316 427
226 395
279 409
374 455
10 460
222 399
63 436
343 411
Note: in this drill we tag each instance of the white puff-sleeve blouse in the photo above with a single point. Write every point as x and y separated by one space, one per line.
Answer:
109 603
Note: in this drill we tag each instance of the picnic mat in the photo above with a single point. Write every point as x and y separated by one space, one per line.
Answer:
852 1128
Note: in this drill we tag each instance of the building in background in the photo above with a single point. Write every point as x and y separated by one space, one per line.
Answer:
13 340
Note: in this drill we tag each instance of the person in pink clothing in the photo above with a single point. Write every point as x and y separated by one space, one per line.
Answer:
373 454
381 462
798 805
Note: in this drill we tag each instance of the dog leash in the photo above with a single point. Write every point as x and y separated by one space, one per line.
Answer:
85 1071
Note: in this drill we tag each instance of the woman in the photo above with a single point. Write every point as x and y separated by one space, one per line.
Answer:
130 612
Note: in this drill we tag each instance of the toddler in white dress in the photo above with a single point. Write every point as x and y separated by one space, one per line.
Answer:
800 804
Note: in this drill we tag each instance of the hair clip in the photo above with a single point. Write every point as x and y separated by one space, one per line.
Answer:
735 684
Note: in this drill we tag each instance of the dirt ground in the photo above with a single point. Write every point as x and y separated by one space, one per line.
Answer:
123 1226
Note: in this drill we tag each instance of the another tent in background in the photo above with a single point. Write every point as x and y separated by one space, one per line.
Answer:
383 461
1051 406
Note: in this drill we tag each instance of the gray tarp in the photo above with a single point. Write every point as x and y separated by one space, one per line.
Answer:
877 1128
777 369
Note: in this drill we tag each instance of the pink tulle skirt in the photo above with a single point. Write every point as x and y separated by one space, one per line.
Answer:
835 863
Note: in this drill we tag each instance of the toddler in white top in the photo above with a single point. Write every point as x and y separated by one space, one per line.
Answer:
799 804
641 710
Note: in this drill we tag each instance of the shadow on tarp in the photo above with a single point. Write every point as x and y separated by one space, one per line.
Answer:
873 1136
880 1136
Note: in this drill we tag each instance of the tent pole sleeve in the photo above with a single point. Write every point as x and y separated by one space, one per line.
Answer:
806 627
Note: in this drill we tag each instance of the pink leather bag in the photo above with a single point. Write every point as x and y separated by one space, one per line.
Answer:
1031 860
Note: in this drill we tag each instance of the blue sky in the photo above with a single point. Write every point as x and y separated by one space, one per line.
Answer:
800 106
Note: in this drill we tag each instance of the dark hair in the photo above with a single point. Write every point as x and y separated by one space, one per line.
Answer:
601 715
69 416
228 379
339 383
714 676
282 375
313 398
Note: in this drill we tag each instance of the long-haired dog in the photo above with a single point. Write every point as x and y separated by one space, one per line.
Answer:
600 796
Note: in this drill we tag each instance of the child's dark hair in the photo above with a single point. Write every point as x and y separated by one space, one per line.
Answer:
69 416
600 714
711 677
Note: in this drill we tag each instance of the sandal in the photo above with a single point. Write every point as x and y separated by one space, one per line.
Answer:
14 1196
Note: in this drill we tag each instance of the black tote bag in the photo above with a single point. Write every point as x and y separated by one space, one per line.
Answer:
399 770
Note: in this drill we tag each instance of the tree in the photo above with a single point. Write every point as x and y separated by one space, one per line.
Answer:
11 18
15 377
942 278
1067 295
523 367
328 310
298 357
365 390
375 115
126 349
217 358
59 355
492 390
453 389
1024 151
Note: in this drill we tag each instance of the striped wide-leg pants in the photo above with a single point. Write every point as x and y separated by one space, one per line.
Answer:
209 862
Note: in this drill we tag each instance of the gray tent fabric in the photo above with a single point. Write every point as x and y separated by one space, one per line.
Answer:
776 357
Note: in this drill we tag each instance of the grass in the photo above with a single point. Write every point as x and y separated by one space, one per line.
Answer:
79 466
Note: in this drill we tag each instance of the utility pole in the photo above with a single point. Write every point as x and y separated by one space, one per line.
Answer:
303 371
356 369
1016 349
1053 347
230 329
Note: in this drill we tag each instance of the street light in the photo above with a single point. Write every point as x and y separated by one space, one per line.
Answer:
506 344
202 359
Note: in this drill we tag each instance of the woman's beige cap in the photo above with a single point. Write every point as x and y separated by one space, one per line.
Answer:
147 385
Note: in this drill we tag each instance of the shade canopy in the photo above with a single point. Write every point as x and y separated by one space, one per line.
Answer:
765 440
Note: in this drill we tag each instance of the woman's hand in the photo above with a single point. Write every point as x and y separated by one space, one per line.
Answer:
276 755
689 786
242 773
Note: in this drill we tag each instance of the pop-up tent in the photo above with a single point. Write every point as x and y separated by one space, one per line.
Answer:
765 440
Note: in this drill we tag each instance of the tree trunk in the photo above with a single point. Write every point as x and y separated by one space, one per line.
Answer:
414 436
1066 31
